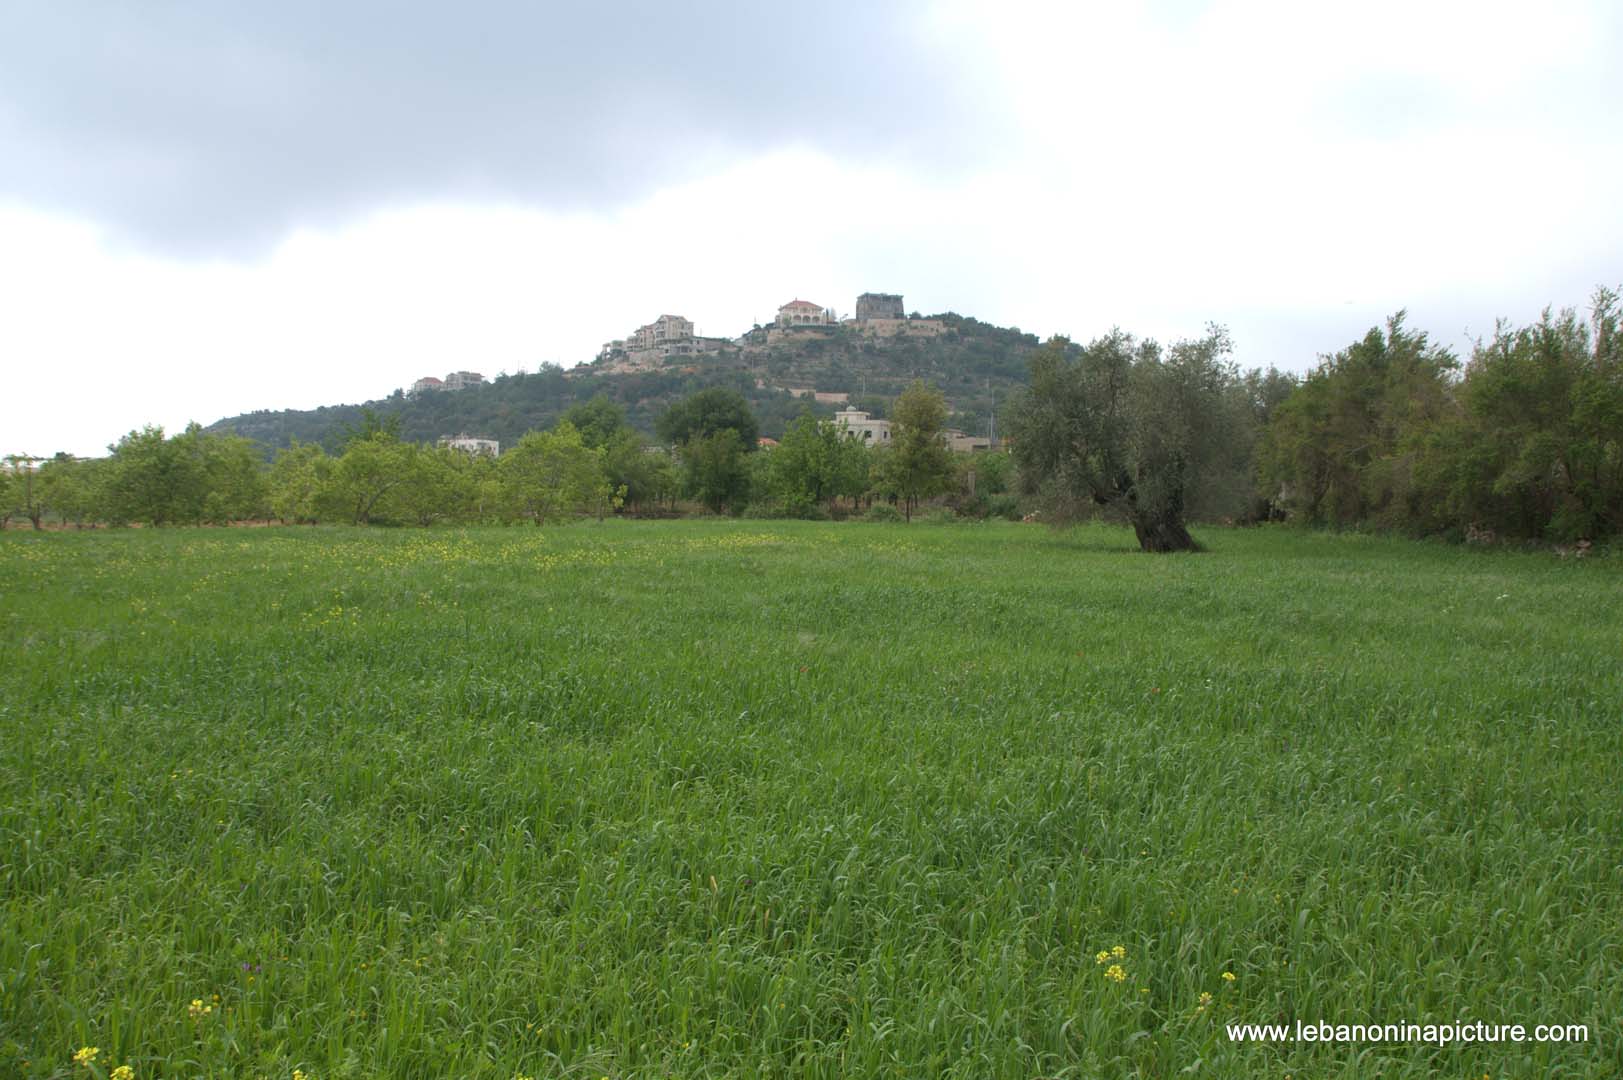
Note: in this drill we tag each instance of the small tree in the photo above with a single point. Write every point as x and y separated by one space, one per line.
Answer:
73 488
296 480
550 475
27 493
718 473
646 477
371 469
815 462
433 485
714 430
919 463
156 480
234 476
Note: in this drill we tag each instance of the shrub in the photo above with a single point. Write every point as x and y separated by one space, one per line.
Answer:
796 507
882 512
1006 506
970 506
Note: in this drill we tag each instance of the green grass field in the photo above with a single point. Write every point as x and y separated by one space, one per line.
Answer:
750 799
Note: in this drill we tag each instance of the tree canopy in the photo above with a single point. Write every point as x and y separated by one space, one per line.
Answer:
708 412
1123 425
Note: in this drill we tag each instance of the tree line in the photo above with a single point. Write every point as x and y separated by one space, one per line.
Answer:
1523 440
590 464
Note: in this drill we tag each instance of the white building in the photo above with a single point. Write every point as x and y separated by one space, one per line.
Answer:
862 426
470 444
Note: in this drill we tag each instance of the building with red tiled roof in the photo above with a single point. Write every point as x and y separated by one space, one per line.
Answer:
804 313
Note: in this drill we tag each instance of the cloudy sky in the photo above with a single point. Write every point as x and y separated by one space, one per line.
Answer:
209 208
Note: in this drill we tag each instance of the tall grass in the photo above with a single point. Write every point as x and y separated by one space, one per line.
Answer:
748 799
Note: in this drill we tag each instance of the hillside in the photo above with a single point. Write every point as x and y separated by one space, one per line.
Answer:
975 364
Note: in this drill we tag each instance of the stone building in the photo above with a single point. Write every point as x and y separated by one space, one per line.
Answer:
462 380
671 334
880 305
650 345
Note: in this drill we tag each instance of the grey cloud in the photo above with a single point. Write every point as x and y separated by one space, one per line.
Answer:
212 128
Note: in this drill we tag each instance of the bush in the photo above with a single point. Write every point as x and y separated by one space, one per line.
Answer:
883 512
792 507
1005 506
970 506
942 516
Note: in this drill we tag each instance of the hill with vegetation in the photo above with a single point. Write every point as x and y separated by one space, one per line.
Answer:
976 365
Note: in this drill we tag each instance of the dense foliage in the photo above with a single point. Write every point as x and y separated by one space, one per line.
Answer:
1526 441
591 463
815 464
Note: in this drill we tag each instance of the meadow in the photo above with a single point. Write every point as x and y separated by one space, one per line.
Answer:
704 799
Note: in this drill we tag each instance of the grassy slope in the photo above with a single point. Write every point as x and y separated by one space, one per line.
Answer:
737 798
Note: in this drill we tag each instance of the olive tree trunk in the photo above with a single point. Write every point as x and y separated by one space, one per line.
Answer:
1162 532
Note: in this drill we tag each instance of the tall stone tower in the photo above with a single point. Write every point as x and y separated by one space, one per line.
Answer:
879 305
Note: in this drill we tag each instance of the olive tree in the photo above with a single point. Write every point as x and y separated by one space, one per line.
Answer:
1139 431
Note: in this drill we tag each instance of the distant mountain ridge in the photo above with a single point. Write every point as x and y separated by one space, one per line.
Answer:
975 364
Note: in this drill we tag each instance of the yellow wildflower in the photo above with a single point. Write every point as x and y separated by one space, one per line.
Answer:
1205 1000
123 1072
197 1010
1228 976
85 1055
1119 952
1102 956
1116 973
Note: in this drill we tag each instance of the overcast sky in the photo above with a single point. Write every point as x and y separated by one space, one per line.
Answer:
209 208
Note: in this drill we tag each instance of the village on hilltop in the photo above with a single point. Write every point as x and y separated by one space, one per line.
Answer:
879 315
654 345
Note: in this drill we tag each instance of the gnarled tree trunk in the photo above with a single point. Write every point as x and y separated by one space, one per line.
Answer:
1162 532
